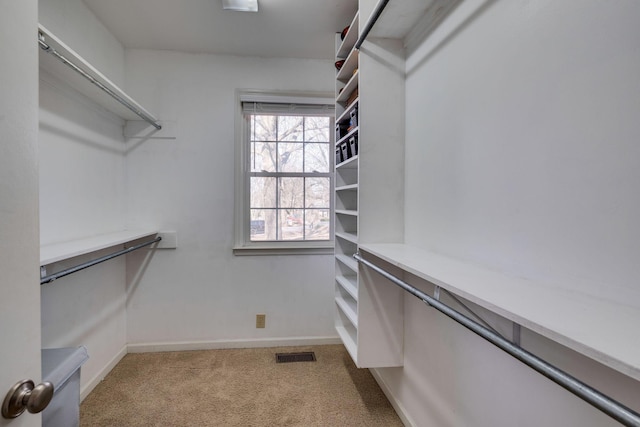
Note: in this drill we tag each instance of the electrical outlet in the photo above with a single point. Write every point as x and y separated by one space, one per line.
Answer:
261 320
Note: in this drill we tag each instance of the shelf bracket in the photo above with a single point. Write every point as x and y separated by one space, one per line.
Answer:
515 337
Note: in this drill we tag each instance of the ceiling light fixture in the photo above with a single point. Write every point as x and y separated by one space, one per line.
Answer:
240 5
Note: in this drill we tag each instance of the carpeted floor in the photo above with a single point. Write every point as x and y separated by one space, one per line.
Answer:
238 388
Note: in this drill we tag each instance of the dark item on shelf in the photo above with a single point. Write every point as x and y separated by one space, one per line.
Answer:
344 32
353 118
339 64
339 158
341 130
353 145
346 150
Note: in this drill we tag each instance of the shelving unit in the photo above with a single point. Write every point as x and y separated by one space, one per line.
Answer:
346 192
369 193
62 72
358 320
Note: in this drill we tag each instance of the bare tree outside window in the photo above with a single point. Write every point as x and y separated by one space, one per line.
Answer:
290 180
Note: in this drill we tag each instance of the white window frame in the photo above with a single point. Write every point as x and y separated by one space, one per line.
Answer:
243 244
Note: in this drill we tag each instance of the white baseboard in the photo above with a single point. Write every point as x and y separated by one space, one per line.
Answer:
222 344
93 382
400 410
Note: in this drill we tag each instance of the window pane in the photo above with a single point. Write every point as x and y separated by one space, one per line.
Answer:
291 192
264 128
316 129
291 224
263 224
263 192
316 158
317 193
290 128
317 224
263 156
290 156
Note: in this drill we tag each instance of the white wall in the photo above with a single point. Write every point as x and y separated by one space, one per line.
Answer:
20 300
521 154
201 292
522 149
82 193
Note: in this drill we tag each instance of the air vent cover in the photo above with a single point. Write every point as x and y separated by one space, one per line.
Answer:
308 356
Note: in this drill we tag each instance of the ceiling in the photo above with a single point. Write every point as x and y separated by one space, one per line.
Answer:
281 28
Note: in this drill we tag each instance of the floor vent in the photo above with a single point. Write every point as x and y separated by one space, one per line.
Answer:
308 356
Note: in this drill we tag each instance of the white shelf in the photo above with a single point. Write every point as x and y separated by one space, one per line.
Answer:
351 85
592 326
345 115
347 136
346 212
56 68
350 39
349 340
348 310
60 251
351 187
349 284
401 17
350 163
348 261
348 68
350 237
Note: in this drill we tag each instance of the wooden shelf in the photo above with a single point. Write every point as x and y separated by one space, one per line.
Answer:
60 251
592 326
53 66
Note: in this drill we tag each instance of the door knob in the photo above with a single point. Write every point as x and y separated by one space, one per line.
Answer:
26 395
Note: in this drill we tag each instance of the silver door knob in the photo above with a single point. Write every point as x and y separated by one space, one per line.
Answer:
26 395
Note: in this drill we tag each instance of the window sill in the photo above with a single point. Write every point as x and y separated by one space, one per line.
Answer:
284 249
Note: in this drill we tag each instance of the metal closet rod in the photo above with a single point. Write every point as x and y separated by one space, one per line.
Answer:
52 277
44 46
371 22
592 396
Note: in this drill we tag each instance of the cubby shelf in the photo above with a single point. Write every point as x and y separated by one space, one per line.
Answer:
347 136
350 163
350 237
349 284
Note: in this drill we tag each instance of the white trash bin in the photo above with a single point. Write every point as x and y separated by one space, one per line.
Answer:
61 367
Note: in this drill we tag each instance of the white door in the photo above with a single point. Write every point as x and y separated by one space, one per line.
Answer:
19 241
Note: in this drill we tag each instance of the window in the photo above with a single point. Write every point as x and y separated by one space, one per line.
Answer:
286 181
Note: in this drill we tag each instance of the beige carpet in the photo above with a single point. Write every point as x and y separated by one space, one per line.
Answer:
238 388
